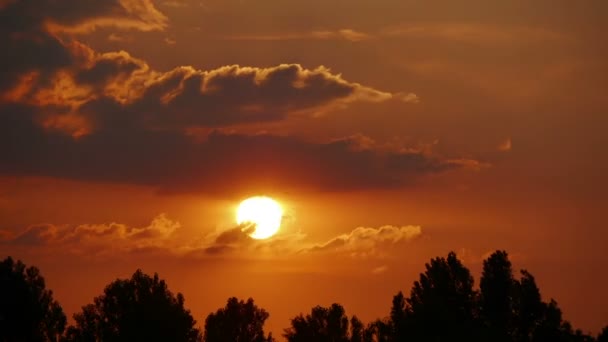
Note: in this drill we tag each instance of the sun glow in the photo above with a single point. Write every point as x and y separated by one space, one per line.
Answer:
264 212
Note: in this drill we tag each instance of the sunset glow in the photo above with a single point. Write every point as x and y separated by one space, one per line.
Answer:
307 152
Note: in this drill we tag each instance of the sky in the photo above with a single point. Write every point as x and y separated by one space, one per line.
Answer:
390 131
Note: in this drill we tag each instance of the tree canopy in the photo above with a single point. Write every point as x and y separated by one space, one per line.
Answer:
324 324
443 305
28 311
443 297
138 309
238 321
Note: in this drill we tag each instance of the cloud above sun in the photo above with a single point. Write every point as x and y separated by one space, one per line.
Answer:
68 111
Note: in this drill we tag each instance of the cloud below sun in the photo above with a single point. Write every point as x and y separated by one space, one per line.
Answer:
162 237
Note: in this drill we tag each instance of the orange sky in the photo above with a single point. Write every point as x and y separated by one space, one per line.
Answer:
131 129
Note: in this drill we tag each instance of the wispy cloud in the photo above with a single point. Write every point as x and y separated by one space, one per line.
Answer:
365 241
161 236
473 33
341 34
505 146
380 269
97 239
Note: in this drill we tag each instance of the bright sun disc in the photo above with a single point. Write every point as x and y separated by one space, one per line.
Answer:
264 212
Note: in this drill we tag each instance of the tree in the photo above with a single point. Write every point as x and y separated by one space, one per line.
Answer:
528 308
238 321
398 322
441 303
321 325
357 330
28 311
379 331
138 309
497 288
551 326
603 336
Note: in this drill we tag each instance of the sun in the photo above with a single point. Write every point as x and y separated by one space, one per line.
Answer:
262 211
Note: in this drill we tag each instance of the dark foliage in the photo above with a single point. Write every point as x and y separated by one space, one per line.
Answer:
603 336
238 321
443 297
137 309
28 311
496 297
381 331
322 324
442 306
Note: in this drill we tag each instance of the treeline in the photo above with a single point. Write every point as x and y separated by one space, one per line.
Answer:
442 306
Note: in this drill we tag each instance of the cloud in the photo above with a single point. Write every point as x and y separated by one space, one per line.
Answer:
341 34
114 37
364 241
175 3
36 40
101 85
228 241
230 95
97 239
470 164
123 14
68 111
45 65
505 146
161 236
81 15
221 164
380 269
236 242
347 34
37 234
474 33
449 31
410 98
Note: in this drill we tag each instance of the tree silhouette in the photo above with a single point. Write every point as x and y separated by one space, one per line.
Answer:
238 321
528 308
442 306
28 311
322 325
441 303
552 327
497 288
357 330
398 318
137 309
379 331
603 335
